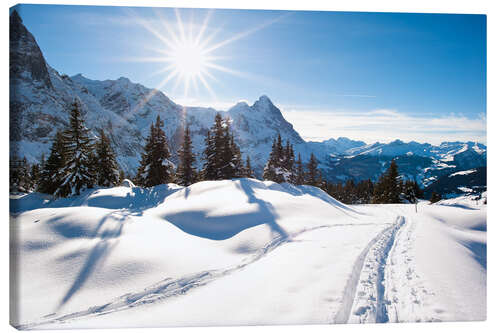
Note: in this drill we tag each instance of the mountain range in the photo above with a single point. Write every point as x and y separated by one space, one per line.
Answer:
39 106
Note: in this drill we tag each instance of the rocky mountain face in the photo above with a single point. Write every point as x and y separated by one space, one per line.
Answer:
39 106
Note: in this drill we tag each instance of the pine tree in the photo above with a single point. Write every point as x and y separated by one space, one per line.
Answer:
20 178
186 172
272 164
248 171
107 170
155 167
78 171
300 177
435 197
313 176
389 187
411 191
35 176
236 163
52 174
222 155
213 153
209 171
280 166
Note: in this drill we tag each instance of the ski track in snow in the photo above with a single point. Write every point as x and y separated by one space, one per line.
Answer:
405 294
364 298
171 288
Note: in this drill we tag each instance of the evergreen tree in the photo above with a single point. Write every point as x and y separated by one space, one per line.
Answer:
270 169
52 174
435 197
236 163
313 176
411 191
389 187
300 177
213 153
222 155
155 167
19 171
35 176
248 171
186 172
231 155
107 170
280 166
78 170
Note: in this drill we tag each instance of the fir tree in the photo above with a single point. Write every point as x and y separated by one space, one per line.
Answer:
52 174
435 197
300 177
19 170
155 167
280 166
411 191
107 170
389 188
272 164
213 153
313 176
35 176
222 155
78 171
186 172
248 171
209 171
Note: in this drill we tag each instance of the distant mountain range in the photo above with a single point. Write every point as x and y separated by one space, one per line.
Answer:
40 96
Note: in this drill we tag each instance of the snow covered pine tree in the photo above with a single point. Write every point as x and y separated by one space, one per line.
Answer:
78 171
186 172
155 167
107 170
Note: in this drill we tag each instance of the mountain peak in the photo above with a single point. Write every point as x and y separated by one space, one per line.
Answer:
264 100
15 18
26 59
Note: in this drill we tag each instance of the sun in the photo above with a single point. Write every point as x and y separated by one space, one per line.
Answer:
189 60
186 51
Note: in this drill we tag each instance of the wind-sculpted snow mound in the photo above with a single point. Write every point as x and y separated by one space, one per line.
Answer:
221 209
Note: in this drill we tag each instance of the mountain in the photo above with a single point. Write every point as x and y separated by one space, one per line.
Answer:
421 161
467 182
39 106
41 97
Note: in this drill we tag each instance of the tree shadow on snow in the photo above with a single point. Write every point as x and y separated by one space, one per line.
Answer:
107 234
199 223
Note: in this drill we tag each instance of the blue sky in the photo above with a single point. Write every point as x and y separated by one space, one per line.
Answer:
369 76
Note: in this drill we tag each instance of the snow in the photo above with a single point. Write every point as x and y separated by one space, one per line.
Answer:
266 253
463 173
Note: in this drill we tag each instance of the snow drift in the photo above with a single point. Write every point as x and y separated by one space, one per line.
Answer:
172 256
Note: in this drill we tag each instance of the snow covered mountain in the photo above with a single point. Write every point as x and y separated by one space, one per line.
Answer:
40 99
421 161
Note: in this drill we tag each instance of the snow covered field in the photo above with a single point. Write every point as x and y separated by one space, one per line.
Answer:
241 252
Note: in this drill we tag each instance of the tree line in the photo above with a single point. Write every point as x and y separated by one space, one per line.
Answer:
77 162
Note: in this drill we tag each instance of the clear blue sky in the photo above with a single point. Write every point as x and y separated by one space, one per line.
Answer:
373 68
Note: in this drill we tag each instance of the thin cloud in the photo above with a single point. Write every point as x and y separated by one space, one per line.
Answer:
386 126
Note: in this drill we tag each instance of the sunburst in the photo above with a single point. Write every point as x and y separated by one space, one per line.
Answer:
188 55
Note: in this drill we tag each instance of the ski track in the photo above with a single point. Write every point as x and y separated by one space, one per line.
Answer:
406 295
364 298
172 287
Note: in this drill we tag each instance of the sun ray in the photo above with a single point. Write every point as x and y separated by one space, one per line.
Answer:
180 25
203 27
188 50
148 27
247 32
